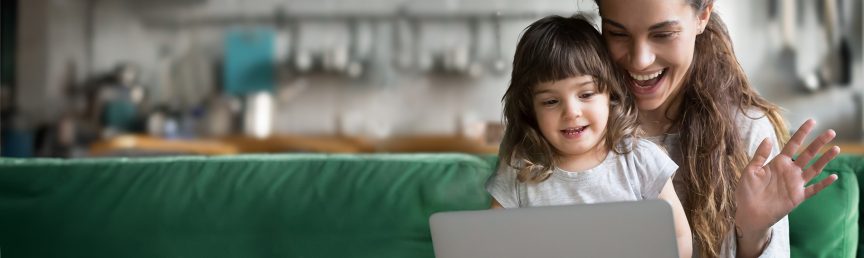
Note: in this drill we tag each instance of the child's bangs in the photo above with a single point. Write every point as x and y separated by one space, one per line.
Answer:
570 55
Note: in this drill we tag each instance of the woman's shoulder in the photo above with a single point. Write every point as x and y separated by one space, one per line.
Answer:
755 126
750 117
753 120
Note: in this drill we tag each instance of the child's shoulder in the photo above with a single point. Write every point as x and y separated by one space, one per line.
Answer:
510 169
647 159
639 145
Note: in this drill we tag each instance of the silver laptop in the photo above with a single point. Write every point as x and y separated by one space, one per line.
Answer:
620 229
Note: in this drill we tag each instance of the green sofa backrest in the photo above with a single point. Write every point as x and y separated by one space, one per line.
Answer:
299 205
827 224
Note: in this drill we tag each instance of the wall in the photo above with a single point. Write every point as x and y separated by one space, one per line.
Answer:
51 50
388 99
778 74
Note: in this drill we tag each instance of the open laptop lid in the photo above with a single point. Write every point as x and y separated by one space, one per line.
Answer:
620 229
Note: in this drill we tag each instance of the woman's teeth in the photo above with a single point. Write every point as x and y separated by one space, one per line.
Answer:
646 77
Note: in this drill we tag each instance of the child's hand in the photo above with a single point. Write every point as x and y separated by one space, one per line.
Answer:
768 193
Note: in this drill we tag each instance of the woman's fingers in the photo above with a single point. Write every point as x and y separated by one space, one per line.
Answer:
798 138
814 147
761 155
817 167
815 188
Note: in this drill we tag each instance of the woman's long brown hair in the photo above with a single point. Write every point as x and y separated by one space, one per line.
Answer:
714 92
551 49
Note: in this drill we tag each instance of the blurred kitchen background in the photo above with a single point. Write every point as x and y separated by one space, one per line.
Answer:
164 77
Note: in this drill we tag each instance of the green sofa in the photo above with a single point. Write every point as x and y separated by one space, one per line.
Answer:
827 225
293 205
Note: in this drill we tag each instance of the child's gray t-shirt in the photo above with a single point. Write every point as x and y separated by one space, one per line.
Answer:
637 175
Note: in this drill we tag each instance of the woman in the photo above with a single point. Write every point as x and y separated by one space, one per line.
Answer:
694 99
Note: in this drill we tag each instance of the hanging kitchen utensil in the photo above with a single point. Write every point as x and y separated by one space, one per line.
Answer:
498 64
402 56
249 60
357 51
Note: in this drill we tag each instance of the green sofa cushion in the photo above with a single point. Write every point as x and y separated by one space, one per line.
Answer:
857 165
826 225
299 205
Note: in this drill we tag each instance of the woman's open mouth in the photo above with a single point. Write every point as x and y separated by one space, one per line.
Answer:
647 84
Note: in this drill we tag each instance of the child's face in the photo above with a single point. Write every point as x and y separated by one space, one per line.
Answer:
572 115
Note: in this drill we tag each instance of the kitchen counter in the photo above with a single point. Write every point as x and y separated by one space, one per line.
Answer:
126 144
322 144
856 148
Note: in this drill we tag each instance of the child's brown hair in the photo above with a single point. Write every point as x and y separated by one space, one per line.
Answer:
552 49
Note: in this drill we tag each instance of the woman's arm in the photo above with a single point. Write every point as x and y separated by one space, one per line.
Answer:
768 192
682 228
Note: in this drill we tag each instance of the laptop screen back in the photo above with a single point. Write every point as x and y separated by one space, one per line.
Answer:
621 229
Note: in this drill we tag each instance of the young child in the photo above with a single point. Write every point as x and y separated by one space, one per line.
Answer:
571 128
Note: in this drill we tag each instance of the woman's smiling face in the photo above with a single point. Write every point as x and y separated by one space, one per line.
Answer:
653 40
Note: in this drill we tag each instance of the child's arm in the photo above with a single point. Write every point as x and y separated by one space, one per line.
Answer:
682 228
497 205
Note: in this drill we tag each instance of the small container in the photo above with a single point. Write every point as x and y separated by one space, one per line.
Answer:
258 114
